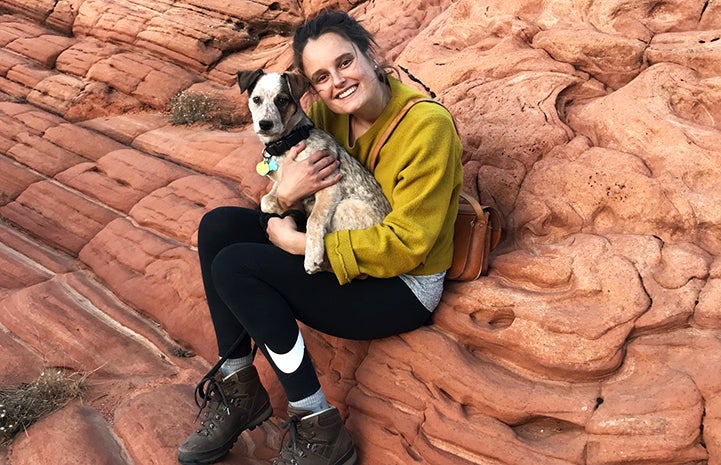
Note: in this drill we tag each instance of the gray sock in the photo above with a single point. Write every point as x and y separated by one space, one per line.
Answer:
234 365
315 402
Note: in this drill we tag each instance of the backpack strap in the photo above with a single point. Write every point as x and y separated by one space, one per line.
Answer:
391 127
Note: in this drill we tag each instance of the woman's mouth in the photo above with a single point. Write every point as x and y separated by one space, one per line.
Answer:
347 92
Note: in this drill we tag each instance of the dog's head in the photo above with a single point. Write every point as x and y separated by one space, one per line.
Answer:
273 100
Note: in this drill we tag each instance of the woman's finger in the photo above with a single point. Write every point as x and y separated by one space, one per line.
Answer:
295 150
329 169
330 180
317 156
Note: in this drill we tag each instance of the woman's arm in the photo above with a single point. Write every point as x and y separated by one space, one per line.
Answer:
283 232
300 179
420 171
303 178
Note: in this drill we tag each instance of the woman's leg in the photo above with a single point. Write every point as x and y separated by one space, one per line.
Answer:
219 228
267 289
234 399
251 284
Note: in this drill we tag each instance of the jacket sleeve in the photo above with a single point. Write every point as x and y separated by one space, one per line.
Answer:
419 169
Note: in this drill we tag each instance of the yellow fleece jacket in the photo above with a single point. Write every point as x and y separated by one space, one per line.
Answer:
420 171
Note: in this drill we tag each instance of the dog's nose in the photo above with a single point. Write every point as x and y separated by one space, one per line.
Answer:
265 125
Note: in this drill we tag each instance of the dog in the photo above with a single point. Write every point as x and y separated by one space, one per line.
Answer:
355 202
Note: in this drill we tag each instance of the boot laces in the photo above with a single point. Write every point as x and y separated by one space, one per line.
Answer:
299 443
209 391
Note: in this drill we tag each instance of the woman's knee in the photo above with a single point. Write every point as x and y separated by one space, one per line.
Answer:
236 263
227 225
225 264
213 221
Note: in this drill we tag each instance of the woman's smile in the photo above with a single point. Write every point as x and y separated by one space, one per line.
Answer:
350 91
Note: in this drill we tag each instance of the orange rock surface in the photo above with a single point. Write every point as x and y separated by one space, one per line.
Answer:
594 127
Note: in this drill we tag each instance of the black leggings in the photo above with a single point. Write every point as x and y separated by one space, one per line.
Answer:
250 283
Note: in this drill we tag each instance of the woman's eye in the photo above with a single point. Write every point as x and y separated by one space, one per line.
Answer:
346 63
321 78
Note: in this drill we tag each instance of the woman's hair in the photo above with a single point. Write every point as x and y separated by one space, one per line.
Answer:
338 22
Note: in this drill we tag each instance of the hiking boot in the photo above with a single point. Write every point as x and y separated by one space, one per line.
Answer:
316 439
234 404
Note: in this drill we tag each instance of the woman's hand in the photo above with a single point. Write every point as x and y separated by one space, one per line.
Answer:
283 232
301 179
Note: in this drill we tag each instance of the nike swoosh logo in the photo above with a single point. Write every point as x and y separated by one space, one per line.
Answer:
291 360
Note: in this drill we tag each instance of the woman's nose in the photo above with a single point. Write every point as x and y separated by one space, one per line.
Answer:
338 78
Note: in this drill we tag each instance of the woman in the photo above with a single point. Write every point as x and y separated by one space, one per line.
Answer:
385 280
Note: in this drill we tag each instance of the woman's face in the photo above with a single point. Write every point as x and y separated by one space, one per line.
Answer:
342 76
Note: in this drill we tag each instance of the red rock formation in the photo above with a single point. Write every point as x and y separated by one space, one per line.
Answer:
593 126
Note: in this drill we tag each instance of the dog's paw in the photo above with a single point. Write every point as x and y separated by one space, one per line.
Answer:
269 204
311 266
314 250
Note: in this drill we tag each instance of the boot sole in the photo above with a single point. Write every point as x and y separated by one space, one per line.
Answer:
350 460
218 454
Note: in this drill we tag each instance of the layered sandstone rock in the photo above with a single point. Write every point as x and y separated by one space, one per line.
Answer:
593 127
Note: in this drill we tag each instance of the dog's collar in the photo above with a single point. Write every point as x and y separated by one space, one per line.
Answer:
281 146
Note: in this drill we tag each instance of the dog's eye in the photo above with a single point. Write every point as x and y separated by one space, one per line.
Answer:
257 100
282 101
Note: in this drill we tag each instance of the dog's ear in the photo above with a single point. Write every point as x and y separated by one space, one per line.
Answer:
248 78
297 83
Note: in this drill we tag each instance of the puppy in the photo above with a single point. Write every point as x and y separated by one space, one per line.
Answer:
355 202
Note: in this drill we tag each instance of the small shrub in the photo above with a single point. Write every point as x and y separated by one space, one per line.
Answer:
11 98
22 406
193 107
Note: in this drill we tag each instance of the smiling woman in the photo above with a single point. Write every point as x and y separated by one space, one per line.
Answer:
346 80
384 280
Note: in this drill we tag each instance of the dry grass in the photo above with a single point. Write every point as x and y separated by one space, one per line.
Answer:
22 406
193 107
